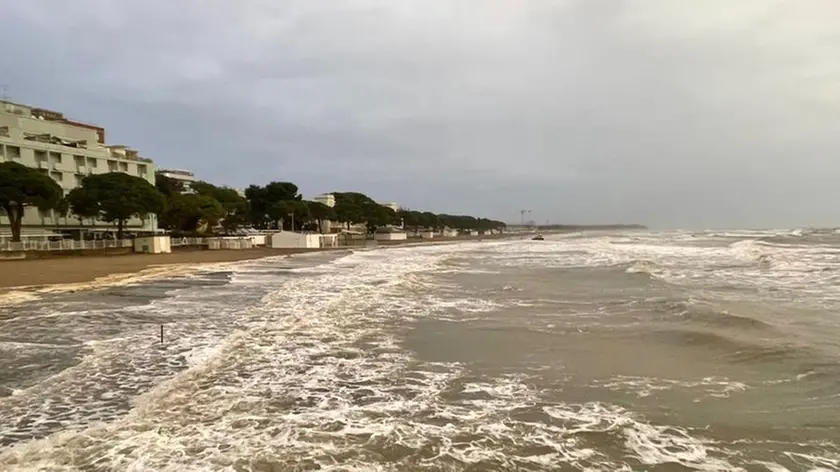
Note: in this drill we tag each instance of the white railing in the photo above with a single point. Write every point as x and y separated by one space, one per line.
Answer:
64 245
188 241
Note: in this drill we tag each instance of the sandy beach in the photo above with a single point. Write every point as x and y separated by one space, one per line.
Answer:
73 270
81 270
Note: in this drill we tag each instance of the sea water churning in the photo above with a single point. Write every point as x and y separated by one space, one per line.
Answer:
634 351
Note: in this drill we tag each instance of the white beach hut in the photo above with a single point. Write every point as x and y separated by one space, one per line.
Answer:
288 239
153 245
390 234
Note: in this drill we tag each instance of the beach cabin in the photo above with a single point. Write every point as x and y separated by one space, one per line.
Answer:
288 239
448 233
230 243
428 234
328 240
390 234
258 239
153 245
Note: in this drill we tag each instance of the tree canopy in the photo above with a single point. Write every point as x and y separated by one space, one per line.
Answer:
22 187
236 209
350 207
269 204
186 212
115 197
167 185
320 212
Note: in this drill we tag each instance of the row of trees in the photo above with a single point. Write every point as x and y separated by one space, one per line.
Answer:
117 197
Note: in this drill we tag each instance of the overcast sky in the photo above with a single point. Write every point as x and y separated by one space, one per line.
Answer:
713 113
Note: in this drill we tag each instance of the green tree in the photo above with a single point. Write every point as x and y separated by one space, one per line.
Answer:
167 185
236 207
377 216
22 187
115 197
430 220
265 202
280 211
300 214
350 207
186 212
320 213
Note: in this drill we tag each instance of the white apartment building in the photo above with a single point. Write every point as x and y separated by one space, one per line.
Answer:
184 176
327 199
67 151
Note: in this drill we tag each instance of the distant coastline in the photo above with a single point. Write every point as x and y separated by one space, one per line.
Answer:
581 227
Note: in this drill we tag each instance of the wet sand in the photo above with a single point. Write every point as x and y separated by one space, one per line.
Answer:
30 273
69 270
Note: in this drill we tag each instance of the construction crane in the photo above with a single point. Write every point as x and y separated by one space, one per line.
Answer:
522 214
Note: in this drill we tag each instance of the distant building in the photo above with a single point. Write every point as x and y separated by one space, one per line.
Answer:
327 199
67 151
391 205
184 176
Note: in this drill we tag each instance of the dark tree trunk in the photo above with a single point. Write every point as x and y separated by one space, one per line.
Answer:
120 225
15 214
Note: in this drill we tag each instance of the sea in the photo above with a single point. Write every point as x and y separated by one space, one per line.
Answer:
593 351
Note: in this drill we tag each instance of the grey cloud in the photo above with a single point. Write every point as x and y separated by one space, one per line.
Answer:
667 113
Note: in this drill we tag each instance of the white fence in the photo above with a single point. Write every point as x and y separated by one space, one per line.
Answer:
71 245
189 242
213 243
64 245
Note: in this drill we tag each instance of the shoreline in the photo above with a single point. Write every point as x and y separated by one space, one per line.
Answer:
22 280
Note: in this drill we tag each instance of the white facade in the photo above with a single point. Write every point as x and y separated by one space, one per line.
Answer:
427 234
153 245
66 151
390 234
184 176
258 239
392 205
288 239
327 199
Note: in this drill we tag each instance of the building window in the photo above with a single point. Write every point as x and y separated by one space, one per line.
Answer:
40 156
13 152
57 176
55 158
79 160
124 166
79 178
112 166
92 162
141 170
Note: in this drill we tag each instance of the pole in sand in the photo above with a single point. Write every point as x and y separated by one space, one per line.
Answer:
161 334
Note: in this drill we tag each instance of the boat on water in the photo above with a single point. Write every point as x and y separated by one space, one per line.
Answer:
538 237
